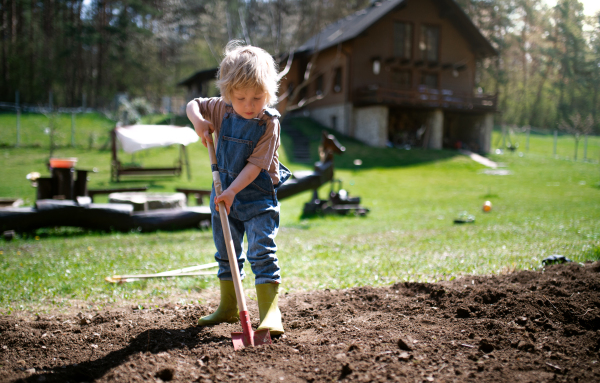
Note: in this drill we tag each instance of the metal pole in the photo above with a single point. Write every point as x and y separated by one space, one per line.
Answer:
555 139
73 129
18 119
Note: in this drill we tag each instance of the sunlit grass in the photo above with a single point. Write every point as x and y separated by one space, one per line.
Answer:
545 206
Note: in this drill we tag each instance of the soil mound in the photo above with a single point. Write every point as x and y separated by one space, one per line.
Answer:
528 326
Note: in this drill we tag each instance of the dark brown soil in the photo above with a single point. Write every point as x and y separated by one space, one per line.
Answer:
527 326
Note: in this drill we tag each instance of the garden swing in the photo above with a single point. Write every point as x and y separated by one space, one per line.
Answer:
134 138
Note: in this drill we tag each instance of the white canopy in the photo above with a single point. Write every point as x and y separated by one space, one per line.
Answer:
138 137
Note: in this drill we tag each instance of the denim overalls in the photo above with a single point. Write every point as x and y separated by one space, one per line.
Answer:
255 209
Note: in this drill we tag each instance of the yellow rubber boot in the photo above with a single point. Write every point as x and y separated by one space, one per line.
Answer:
227 310
270 317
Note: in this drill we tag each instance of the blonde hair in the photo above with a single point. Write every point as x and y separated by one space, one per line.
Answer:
246 66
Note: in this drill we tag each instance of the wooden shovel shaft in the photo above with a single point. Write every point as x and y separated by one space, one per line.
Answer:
235 271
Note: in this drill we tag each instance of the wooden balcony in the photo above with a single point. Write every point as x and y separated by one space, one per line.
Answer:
425 98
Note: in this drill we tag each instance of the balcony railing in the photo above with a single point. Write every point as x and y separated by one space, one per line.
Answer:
425 97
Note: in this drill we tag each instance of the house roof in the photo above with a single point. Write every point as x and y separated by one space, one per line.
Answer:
351 26
200 76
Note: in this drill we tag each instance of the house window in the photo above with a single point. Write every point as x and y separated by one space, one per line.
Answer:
401 78
430 80
403 40
429 43
337 80
319 85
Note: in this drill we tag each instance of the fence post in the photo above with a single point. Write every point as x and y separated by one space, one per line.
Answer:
555 139
73 129
585 148
18 119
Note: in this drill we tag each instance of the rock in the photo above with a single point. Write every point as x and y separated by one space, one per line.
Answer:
463 312
30 371
596 266
404 356
404 344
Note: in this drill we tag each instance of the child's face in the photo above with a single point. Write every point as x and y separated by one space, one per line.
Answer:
248 102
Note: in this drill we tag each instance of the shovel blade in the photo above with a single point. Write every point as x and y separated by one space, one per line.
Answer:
262 337
255 338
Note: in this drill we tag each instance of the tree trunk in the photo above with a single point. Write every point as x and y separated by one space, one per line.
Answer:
538 97
101 46
4 90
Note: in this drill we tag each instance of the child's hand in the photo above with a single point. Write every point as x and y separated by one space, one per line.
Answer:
227 197
204 129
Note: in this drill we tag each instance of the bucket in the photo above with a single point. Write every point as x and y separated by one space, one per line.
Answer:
63 162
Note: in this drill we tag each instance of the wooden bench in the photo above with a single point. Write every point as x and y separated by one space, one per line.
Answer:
197 193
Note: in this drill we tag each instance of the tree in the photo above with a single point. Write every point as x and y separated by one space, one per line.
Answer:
578 127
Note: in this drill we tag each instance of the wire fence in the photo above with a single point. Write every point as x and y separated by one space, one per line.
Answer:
42 126
554 143
23 125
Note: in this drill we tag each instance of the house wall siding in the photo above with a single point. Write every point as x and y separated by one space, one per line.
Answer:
377 42
325 65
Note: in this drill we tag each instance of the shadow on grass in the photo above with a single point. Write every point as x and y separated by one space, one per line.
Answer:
152 341
371 157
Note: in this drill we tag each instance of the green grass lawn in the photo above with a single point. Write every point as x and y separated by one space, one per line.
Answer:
545 206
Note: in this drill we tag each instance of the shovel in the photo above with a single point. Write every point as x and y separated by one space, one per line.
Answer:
247 337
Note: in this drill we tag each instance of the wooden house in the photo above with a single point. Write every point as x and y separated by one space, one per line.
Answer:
198 84
400 72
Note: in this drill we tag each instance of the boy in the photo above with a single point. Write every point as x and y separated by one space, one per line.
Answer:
247 134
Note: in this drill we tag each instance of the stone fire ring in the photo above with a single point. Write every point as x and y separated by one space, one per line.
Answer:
143 201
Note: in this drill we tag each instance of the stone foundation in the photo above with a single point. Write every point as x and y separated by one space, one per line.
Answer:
336 117
370 125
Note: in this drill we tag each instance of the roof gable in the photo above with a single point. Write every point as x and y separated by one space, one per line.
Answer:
350 27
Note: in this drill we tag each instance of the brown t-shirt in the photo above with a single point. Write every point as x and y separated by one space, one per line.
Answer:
265 153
